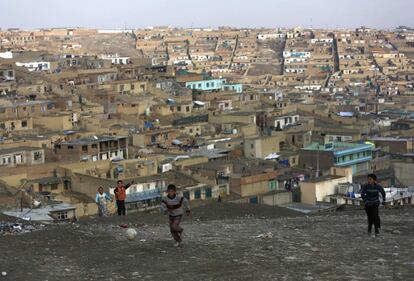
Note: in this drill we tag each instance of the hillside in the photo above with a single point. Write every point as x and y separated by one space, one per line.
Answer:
222 242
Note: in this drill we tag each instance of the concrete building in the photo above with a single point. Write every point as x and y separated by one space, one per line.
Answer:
318 189
337 154
12 157
255 183
35 65
214 84
153 137
93 148
261 147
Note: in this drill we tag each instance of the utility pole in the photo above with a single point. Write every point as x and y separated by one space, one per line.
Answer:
317 162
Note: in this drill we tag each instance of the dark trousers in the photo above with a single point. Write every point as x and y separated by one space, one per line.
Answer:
373 217
175 228
120 204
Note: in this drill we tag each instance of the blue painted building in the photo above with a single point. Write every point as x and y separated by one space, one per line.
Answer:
214 84
337 154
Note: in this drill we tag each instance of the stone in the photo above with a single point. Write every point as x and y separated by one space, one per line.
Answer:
3 273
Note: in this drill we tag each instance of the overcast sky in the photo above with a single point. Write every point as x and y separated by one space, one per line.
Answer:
196 13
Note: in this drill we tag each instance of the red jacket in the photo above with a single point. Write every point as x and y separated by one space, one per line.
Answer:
120 192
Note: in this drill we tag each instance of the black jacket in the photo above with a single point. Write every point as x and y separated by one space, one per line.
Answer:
370 194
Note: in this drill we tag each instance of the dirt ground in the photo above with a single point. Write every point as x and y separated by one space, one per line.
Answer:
222 242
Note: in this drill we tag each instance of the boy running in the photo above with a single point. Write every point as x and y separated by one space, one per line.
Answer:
175 206
370 194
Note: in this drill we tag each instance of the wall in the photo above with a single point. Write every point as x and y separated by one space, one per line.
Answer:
278 198
404 172
312 192
308 192
55 123
262 147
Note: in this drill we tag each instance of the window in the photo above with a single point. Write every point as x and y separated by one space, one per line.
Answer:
179 108
208 85
84 148
252 145
54 186
2 126
62 216
94 145
2 109
187 109
191 131
272 185
70 146
38 155
24 123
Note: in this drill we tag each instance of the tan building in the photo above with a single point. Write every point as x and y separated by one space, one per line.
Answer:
253 184
317 189
93 148
55 122
154 137
11 157
261 147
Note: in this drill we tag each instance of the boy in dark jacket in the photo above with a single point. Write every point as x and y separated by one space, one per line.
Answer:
370 194
175 206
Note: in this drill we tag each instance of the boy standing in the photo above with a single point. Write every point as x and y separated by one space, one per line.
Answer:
175 206
370 194
120 196
101 199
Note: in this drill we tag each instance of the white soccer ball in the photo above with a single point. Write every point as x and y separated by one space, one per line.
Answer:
131 234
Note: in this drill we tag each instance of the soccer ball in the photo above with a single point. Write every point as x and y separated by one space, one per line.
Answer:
131 234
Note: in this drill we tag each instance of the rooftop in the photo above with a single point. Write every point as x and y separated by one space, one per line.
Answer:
338 146
18 149
94 139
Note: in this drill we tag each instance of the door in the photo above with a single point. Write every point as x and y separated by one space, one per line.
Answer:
208 192
18 159
197 194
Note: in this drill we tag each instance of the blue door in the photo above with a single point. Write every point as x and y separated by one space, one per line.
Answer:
253 200
197 194
208 192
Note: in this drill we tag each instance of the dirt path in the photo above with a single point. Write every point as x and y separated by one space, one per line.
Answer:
226 242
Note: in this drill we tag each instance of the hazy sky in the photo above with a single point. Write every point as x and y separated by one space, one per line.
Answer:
196 13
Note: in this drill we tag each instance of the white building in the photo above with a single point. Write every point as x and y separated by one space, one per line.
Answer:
6 55
285 120
298 54
321 40
35 66
116 59
270 36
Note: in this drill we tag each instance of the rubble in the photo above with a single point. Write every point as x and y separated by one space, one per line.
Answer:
12 228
